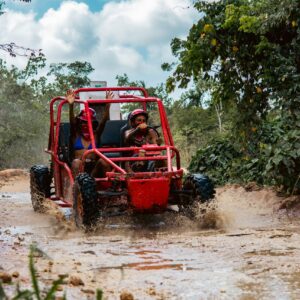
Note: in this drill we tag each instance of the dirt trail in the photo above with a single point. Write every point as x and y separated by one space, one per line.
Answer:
253 251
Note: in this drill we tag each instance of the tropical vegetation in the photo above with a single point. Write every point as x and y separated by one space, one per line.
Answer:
244 54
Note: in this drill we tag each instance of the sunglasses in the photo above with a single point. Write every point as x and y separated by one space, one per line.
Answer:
85 123
140 119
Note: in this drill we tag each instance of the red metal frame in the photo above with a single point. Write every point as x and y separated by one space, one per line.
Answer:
117 171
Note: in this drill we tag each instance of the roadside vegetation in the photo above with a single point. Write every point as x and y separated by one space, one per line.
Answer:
239 120
245 56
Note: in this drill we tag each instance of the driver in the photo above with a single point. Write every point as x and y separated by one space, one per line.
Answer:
140 134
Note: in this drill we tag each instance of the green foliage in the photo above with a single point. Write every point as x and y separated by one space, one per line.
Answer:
70 75
276 161
216 160
24 100
23 125
250 51
99 294
158 91
283 164
225 163
192 128
34 64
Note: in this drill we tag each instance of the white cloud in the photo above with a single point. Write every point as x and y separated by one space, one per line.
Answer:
20 29
131 36
67 33
143 22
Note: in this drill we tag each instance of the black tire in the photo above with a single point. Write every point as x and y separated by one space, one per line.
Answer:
201 187
40 180
85 201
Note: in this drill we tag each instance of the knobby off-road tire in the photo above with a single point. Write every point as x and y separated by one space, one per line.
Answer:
85 201
40 180
201 186
201 190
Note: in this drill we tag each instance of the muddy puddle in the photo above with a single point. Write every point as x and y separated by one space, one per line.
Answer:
242 248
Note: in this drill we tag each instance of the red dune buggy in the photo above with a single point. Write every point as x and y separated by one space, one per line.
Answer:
148 191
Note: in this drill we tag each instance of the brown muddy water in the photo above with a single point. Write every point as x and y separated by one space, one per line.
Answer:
244 247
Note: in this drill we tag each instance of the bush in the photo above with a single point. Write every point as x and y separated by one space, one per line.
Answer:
274 159
216 160
283 164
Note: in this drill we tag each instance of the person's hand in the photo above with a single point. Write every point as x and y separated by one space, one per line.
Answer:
109 95
70 96
159 141
142 126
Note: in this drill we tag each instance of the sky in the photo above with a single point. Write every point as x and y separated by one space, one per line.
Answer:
116 37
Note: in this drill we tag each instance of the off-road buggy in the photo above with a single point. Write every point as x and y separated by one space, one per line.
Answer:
147 191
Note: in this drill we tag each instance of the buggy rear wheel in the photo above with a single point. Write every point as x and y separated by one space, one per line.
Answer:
40 180
85 201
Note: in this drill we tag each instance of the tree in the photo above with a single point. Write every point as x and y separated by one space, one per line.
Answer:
250 49
193 127
70 75
23 123
218 52
158 91
24 101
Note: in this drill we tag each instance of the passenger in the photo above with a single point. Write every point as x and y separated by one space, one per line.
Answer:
81 140
140 134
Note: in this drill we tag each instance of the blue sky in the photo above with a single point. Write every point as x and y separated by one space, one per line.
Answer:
41 6
116 37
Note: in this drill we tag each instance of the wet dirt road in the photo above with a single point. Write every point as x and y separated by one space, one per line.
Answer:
253 251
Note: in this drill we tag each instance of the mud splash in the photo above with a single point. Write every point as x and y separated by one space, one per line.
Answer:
233 208
241 209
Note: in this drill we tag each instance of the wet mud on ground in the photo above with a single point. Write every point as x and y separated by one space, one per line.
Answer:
243 248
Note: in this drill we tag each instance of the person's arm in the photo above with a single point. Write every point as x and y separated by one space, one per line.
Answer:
131 133
129 136
153 137
70 97
100 128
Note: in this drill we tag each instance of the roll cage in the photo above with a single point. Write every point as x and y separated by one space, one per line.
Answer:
61 167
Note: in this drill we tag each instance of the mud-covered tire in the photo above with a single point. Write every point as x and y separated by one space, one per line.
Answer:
40 180
85 201
201 188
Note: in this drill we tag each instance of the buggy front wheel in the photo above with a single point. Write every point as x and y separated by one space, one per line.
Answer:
200 190
200 186
85 201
